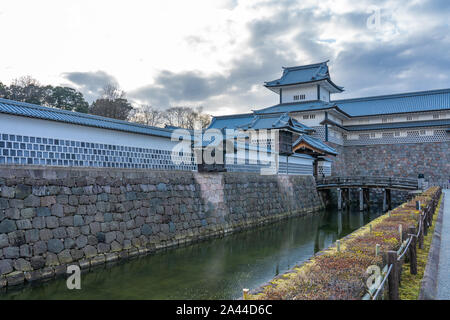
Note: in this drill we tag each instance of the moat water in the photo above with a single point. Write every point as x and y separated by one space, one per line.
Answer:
214 269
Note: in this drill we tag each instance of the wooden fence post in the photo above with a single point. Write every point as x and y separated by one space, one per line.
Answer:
413 250
393 276
421 232
430 215
245 294
425 224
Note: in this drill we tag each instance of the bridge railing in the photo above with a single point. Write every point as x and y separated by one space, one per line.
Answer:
367 181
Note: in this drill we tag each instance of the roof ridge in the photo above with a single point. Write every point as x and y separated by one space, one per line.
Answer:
78 114
297 103
238 115
393 96
306 66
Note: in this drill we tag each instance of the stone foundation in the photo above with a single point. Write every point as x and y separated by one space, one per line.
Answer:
405 160
53 217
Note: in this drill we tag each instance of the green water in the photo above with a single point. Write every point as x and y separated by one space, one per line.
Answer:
214 269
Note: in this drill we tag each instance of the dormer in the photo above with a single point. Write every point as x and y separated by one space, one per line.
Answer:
304 83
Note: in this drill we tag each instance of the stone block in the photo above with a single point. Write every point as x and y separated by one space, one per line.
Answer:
110 236
17 238
51 260
22 265
32 201
28 213
45 234
15 278
146 230
78 221
57 210
69 243
25 251
31 236
37 262
55 245
4 240
12 213
11 252
5 266
16 203
59 233
4 203
40 247
62 199
77 254
65 257
89 251
8 192
24 224
48 201
81 241
7 226
103 247
66 221
38 222
43 212
22 191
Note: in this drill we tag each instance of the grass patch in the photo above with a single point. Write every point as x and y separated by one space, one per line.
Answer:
410 286
333 275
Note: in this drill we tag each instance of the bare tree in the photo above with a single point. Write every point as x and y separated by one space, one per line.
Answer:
177 116
112 92
186 117
25 81
147 115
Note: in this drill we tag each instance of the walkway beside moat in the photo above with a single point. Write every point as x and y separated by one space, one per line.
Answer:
443 284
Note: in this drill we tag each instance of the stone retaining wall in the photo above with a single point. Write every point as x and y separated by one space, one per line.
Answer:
405 160
51 217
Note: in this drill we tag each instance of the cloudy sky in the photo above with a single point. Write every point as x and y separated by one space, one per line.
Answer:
217 54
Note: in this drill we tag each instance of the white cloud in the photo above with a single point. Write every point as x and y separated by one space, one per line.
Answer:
215 53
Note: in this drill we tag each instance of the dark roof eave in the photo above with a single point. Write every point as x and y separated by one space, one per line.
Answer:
397 125
331 122
289 128
83 116
318 109
393 113
303 82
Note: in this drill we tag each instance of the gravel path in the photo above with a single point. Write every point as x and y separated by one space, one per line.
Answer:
443 287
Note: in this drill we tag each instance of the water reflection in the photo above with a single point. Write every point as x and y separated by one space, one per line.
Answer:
215 269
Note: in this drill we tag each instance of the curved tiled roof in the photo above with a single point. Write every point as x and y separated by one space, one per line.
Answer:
316 143
433 100
259 122
396 103
303 74
53 114
299 107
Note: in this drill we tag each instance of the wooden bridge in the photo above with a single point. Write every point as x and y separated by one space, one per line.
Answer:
364 184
